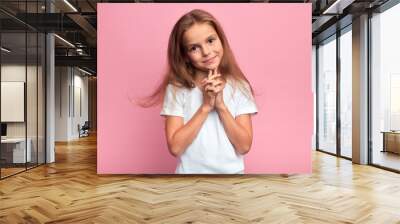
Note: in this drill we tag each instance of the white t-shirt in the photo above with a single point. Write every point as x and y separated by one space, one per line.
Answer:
211 152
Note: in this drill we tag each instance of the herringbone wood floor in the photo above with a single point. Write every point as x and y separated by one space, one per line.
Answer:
70 191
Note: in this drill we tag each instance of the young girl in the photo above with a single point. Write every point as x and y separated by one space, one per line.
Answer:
207 100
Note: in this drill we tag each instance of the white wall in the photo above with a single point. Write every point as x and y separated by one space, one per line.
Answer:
70 83
79 117
61 103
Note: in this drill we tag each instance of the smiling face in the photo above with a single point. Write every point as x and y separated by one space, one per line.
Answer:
203 47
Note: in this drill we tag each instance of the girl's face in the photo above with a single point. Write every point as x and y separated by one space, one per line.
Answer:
203 47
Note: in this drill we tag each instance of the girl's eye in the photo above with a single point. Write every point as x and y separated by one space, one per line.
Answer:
211 41
194 48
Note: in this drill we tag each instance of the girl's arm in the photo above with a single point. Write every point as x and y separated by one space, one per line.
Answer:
239 130
179 135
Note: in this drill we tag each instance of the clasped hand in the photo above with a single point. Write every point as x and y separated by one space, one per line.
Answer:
213 87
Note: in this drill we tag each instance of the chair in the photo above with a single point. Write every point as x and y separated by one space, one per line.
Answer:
84 130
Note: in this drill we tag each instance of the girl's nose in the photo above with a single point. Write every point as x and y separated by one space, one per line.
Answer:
206 50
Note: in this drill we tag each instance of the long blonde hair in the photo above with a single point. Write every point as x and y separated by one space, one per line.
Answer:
180 72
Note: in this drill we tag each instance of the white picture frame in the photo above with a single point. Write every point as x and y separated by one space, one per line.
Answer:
12 101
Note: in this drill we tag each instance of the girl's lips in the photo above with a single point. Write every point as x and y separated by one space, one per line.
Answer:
209 61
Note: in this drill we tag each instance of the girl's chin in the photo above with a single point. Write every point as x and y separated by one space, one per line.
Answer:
209 67
206 68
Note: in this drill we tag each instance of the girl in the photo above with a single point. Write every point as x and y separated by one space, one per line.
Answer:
207 100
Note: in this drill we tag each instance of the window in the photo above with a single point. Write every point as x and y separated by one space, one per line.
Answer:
346 92
385 88
327 95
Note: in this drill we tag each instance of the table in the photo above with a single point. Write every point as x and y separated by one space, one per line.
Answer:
15 148
391 141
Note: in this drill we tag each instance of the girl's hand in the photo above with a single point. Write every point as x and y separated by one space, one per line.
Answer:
208 94
217 85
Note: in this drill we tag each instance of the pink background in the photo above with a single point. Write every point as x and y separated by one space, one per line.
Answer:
272 44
